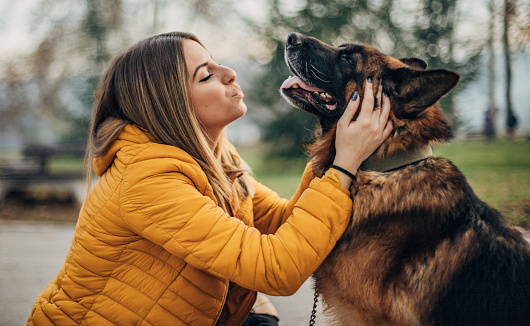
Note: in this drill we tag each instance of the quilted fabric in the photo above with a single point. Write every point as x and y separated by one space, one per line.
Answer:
151 246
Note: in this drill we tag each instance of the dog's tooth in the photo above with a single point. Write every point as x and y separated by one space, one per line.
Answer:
296 86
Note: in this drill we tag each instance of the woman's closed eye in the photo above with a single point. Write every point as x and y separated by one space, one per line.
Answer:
206 78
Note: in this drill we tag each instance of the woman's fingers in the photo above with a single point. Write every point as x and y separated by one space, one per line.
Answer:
376 114
379 97
385 113
350 110
373 117
367 107
357 140
385 109
388 129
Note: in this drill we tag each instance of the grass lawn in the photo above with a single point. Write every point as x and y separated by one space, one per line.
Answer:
498 171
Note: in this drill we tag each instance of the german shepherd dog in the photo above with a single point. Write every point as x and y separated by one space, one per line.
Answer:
421 248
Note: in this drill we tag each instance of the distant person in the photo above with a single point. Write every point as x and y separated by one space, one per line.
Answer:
176 231
489 127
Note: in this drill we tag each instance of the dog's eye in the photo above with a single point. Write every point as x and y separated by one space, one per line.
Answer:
348 59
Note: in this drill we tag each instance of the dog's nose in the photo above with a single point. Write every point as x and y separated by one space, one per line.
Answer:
294 39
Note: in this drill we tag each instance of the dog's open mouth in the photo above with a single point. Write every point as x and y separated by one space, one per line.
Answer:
297 89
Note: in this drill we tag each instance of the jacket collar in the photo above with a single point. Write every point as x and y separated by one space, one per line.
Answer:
130 135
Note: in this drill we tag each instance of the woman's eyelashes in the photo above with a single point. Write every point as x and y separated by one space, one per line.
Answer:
209 74
206 78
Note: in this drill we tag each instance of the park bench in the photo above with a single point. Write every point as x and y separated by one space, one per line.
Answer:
33 172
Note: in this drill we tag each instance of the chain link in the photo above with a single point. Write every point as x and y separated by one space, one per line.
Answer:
314 311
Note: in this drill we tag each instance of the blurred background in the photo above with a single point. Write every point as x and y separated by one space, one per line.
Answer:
53 53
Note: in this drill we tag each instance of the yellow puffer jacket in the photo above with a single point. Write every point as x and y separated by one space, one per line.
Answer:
151 247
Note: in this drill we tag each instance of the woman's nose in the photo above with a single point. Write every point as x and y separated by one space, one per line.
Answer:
229 76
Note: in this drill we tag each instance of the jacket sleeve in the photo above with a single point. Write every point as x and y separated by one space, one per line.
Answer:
170 209
270 210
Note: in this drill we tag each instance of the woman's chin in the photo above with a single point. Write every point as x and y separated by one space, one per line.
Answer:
242 109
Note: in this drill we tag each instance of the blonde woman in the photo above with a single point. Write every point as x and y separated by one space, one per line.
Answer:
176 231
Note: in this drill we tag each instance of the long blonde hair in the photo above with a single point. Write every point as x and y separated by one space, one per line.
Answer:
148 86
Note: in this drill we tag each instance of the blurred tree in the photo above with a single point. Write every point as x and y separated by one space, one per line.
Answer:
515 31
60 73
511 119
424 29
435 36
491 112
102 20
14 104
75 41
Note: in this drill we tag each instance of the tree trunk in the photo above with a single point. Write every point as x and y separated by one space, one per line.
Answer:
491 112
511 119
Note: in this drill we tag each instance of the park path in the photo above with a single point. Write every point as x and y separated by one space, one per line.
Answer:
31 254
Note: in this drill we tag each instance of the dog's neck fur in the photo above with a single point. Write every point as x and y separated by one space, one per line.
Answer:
408 143
396 160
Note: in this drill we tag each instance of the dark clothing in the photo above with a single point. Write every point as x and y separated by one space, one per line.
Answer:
260 320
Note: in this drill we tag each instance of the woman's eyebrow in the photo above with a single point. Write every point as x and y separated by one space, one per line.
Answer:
197 69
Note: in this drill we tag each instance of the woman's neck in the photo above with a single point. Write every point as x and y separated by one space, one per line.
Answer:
213 137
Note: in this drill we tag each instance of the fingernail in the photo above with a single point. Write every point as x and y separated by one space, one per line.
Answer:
370 80
380 80
354 96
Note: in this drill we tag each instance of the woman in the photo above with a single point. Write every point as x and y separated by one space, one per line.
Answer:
176 231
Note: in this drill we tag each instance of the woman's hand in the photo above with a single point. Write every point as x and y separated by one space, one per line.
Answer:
357 140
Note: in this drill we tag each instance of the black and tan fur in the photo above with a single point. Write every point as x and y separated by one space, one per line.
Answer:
421 248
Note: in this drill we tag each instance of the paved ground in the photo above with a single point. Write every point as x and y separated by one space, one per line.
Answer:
31 254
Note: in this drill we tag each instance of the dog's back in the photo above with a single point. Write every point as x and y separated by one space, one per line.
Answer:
492 287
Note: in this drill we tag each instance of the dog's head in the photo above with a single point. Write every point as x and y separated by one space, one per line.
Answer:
326 77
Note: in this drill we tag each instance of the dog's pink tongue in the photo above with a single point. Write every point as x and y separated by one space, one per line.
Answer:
289 82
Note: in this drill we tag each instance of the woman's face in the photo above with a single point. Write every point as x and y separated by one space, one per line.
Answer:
217 99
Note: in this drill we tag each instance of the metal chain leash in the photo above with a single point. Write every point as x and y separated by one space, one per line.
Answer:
314 311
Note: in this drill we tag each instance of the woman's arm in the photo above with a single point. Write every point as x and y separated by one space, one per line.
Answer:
270 210
169 210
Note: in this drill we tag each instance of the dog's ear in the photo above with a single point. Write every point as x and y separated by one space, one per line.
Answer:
416 90
414 63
